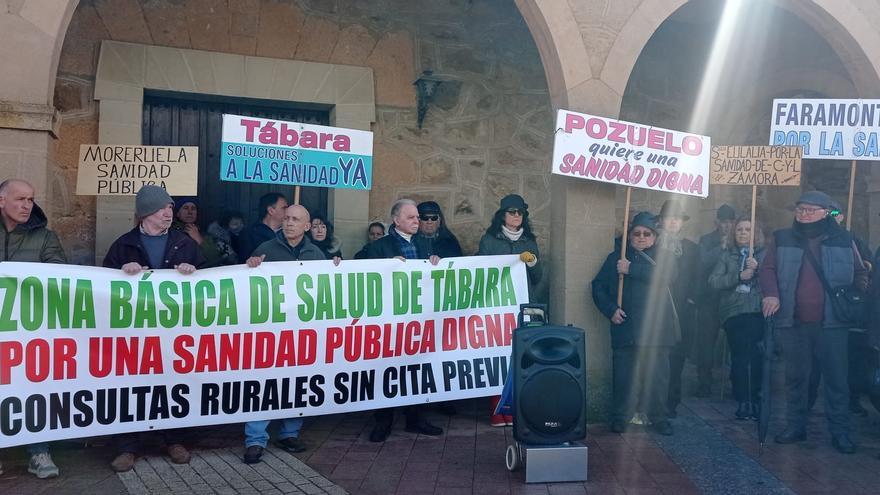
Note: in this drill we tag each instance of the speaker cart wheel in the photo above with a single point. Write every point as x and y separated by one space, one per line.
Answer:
514 457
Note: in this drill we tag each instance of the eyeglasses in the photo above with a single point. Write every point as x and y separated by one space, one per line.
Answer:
800 210
643 233
429 218
514 211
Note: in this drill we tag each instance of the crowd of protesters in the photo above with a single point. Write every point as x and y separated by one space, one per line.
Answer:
677 294
167 235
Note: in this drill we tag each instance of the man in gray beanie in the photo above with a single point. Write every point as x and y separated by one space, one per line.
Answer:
152 245
796 261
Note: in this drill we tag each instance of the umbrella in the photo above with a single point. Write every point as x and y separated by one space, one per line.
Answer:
764 416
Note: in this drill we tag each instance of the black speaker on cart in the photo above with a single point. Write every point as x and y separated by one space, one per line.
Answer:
549 382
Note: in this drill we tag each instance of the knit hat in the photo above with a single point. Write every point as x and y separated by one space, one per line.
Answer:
150 199
644 219
514 201
426 207
673 208
725 212
182 200
817 198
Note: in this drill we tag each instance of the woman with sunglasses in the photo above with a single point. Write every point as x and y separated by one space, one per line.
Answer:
735 276
643 328
510 233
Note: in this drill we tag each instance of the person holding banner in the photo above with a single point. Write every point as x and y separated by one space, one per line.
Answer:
290 244
402 243
511 233
152 245
186 218
26 238
271 210
800 261
643 328
375 231
734 276
432 226
685 291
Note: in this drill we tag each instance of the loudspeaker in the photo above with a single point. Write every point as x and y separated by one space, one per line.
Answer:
550 384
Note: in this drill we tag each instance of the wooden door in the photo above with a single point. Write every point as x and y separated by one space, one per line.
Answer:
186 120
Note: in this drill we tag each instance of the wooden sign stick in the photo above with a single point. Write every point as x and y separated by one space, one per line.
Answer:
296 195
752 234
852 188
623 246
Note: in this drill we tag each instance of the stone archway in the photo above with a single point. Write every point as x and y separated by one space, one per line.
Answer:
589 49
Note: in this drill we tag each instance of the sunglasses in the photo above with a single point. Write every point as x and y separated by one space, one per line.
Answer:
514 211
429 218
644 233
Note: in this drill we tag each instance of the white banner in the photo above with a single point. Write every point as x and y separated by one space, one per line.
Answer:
619 152
90 351
828 129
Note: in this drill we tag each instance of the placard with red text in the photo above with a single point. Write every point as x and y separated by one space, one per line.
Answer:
91 351
629 154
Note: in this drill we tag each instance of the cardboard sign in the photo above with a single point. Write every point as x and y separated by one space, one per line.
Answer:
828 129
121 170
295 154
756 165
91 351
618 152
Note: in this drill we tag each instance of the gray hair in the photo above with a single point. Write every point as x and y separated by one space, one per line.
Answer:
400 203
8 182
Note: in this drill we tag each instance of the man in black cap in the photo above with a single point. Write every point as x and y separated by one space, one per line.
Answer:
684 291
791 277
432 226
708 321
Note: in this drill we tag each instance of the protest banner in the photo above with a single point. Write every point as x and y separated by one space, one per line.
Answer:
91 351
829 129
295 154
754 166
629 154
121 170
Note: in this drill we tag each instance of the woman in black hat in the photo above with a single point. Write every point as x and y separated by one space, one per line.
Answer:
432 226
510 233
642 328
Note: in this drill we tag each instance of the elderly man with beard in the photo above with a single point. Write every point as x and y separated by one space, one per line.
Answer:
791 278
402 243
685 291
152 244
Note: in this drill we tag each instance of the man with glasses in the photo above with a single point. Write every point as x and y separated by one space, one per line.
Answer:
432 226
796 261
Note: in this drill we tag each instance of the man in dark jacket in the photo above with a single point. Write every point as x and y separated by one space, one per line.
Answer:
403 243
796 261
685 290
290 244
26 238
152 244
271 210
432 226
712 245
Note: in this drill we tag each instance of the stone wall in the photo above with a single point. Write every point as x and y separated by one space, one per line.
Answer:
487 134
793 61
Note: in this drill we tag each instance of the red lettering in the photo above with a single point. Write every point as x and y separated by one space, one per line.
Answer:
308 346
11 355
250 127
450 338
334 341
573 121
617 131
597 128
265 345
655 139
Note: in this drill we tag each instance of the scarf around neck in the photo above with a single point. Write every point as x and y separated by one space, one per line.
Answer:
670 241
513 235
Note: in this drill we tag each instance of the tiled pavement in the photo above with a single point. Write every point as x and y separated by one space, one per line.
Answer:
710 453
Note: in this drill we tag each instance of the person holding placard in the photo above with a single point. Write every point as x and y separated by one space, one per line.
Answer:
734 276
685 291
24 237
801 261
643 328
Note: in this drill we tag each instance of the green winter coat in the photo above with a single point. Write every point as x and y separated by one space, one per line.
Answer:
31 241
725 279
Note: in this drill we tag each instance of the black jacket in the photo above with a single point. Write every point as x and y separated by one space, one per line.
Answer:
128 248
251 237
389 247
444 245
650 317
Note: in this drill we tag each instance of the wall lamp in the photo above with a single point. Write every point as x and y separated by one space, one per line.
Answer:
425 85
